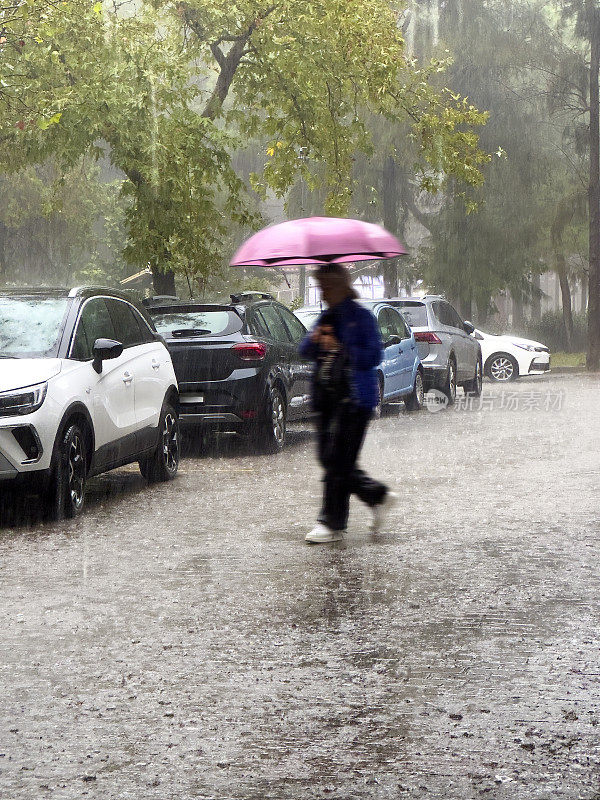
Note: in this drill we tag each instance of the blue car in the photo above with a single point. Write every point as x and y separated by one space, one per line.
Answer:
400 371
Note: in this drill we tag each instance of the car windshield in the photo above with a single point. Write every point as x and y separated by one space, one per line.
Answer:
196 322
30 326
414 313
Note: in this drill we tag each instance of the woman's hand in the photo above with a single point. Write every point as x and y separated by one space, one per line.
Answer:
325 338
315 334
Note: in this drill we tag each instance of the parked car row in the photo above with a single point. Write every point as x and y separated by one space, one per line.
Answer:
426 346
504 358
92 380
400 373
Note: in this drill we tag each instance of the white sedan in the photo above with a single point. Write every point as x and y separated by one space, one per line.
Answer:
506 357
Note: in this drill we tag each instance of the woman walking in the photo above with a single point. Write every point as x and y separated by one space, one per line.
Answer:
346 347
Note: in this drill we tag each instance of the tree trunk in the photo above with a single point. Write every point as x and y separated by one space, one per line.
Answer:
518 312
3 238
390 278
593 353
164 282
536 298
466 305
390 221
302 283
567 307
482 314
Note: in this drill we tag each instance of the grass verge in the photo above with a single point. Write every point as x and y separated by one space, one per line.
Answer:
567 360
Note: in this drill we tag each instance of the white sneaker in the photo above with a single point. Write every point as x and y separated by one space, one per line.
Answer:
380 511
321 534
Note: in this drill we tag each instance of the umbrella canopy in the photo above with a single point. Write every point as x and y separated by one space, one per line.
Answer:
317 240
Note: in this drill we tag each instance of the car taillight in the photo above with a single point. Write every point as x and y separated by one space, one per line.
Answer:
250 351
427 336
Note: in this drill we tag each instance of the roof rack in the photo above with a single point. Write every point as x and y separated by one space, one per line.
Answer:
415 297
77 290
242 297
91 291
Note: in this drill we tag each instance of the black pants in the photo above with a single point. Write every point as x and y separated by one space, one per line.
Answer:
341 431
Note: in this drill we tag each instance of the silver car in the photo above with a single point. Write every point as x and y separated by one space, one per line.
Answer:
449 354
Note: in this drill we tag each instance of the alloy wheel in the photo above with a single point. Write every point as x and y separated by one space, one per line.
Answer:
278 418
479 378
170 443
76 472
379 407
452 381
502 369
419 389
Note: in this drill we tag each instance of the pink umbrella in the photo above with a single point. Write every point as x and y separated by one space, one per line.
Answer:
317 240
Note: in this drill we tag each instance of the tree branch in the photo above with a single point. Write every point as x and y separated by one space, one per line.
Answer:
228 62
417 214
229 65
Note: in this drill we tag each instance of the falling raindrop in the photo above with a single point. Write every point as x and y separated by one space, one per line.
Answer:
409 34
153 133
435 22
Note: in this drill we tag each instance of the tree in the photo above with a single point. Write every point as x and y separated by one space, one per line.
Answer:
96 82
586 15
503 53
172 90
568 217
387 188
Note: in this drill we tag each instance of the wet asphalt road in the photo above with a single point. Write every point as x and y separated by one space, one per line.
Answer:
182 641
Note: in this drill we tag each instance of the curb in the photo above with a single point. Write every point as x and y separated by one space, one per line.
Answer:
567 370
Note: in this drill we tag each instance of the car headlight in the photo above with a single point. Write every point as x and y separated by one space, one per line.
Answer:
529 347
22 401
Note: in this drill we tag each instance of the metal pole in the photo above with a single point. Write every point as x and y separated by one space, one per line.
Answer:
302 284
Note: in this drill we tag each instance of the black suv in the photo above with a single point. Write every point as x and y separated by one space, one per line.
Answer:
237 364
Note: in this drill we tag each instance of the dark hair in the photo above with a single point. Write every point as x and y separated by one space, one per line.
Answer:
342 271
331 269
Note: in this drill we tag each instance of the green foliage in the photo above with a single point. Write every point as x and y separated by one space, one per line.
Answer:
296 303
562 359
313 74
218 286
60 227
550 330
503 56
169 91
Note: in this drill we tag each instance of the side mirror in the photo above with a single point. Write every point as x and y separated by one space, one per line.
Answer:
105 349
468 326
393 340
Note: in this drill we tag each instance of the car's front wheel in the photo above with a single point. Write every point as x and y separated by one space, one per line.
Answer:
502 368
415 400
66 492
379 407
163 464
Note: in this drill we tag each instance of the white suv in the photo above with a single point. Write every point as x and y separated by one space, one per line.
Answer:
86 385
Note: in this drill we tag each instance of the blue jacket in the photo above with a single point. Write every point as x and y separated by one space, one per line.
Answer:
356 328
